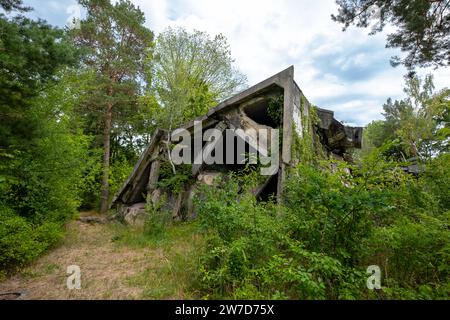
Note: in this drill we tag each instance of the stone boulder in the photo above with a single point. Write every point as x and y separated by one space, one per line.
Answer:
135 214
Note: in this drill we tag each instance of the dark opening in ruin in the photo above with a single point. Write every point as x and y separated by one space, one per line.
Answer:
270 190
231 160
258 112
267 109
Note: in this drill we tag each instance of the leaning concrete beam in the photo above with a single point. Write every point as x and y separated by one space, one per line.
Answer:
154 175
196 166
325 118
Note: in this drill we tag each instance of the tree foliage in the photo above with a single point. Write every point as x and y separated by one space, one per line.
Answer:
116 43
190 72
31 52
414 127
13 5
423 27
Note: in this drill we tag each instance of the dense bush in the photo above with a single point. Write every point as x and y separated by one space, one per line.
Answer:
41 181
331 227
22 241
158 218
252 253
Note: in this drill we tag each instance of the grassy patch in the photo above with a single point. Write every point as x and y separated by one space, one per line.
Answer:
128 264
138 237
133 237
174 275
46 269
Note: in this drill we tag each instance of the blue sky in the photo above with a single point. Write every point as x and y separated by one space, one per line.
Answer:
347 72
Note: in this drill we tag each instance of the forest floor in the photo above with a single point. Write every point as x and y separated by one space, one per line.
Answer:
116 262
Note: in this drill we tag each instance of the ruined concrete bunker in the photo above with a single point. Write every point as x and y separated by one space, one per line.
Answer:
252 109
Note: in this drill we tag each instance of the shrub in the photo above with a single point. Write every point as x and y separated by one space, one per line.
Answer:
157 219
21 241
331 227
251 253
327 214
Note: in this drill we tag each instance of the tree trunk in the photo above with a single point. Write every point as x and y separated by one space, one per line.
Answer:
106 155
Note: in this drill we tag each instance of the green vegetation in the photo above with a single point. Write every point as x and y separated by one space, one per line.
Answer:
191 73
415 127
331 227
180 243
305 147
22 241
275 109
78 106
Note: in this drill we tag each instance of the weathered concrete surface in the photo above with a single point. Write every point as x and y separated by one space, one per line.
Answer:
135 214
247 111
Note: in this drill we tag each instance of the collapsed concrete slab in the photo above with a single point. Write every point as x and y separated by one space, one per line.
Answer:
275 107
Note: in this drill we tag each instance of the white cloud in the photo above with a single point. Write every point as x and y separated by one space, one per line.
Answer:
347 72
156 14
267 36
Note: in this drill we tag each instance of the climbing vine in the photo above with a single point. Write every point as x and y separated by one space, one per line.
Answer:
275 109
306 148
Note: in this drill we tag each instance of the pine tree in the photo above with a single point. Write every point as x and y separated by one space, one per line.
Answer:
116 44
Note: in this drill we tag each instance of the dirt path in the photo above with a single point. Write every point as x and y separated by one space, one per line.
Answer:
110 268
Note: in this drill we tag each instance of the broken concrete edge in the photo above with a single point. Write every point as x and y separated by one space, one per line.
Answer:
278 79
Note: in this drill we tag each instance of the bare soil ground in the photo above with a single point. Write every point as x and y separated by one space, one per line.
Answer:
115 263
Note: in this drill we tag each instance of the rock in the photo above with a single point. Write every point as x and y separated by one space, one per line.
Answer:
135 214
12 296
156 195
93 219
